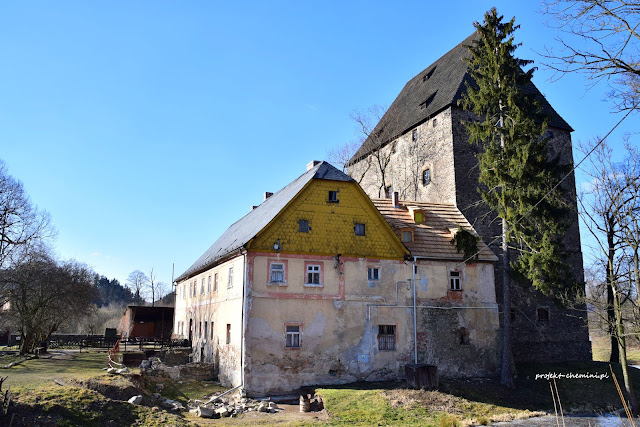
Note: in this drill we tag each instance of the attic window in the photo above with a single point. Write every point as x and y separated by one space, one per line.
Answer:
407 236
418 217
359 229
303 226
414 135
333 196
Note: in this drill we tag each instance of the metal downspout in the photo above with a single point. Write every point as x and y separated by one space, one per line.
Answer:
415 317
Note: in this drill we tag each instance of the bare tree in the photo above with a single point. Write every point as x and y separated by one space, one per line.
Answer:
601 38
340 156
45 294
137 281
605 208
156 288
22 226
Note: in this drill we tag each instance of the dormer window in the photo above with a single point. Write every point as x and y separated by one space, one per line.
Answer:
333 196
418 217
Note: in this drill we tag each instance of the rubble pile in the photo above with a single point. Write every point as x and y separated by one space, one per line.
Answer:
154 366
229 407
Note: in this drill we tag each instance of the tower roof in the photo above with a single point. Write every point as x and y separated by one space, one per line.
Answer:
432 90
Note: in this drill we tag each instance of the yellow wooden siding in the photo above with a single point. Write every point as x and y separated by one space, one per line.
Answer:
332 225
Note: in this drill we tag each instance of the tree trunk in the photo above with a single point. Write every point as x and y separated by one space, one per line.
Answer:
623 357
611 321
507 370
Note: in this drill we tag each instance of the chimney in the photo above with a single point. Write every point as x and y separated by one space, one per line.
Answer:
267 194
312 164
394 200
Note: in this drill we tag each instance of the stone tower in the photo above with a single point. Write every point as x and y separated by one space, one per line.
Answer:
422 145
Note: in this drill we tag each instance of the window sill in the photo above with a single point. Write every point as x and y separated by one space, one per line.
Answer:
277 284
313 285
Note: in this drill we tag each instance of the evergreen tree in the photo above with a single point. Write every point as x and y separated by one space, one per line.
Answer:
516 175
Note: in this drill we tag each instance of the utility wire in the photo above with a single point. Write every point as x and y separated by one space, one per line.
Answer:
558 184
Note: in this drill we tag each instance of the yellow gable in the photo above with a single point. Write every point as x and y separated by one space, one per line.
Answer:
331 224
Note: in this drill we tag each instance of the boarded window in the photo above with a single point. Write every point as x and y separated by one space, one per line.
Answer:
293 336
386 337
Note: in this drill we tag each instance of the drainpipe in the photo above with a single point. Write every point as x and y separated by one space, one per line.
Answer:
415 317
243 346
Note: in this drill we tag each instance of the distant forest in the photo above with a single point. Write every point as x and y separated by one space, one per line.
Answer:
111 292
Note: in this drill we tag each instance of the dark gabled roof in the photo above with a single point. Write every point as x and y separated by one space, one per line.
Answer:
437 87
432 237
243 230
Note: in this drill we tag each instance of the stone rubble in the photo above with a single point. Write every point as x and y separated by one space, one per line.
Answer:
229 407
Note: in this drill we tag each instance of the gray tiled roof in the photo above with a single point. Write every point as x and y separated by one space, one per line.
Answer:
243 230
438 86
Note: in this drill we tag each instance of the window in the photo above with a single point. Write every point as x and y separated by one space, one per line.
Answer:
463 336
292 336
394 147
199 329
303 226
215 282
184 291
313 274
415 269
276 272
209 284
359 229
426 177
333 196
543 314
373 273
212 329
435 122
418 217
454 280
414 135
386 337
230 283
228 333
407 236
206 330
190 288
202 287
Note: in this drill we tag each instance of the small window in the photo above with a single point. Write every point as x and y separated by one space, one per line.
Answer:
418 217
293 336
303 226
230 283
394 147
454 280
313 274
386 337
212 329
407 236
426 177
209 284
415 269
206 330
373 273
359 229
435 122
414 135
333 196
228 333
202 287
199 329
276 273
463 336
215 282
543 314
184 291
190 288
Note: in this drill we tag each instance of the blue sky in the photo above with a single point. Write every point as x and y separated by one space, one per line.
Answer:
146 128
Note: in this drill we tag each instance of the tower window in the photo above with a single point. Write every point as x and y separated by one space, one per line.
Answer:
426 177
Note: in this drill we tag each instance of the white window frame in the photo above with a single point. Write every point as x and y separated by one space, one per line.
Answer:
293 338
274 269
455 280
315 270
373 274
